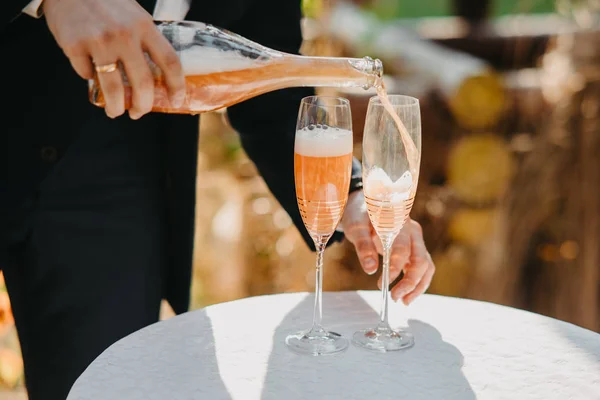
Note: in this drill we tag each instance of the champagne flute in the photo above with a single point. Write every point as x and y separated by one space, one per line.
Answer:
391 158
322 171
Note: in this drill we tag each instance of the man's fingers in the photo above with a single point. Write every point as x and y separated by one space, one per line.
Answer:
419 263
421 287
413 274
377 241
360 236
141 81
399 258
112 87
165 57
82 64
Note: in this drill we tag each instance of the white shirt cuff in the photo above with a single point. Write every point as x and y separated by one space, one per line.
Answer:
34 9
171 10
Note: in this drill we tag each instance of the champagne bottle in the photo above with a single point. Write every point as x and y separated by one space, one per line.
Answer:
222 68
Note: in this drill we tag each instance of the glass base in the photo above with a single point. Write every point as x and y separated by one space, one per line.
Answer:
383 340
316 342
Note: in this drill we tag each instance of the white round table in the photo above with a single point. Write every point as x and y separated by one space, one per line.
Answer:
464 350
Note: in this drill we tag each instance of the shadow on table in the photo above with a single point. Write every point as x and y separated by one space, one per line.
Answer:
197 358
429 370
137 367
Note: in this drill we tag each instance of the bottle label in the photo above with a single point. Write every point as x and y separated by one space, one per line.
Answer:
204 49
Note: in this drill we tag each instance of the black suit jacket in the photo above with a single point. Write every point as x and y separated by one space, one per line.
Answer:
49 124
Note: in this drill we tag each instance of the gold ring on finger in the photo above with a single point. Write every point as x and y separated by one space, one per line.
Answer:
106 68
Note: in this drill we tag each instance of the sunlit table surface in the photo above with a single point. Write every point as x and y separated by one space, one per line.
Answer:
463 349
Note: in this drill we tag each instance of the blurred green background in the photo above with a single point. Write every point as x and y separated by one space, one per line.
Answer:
389 9
441 8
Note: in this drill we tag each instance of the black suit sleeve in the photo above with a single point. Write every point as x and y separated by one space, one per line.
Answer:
267 123
10 9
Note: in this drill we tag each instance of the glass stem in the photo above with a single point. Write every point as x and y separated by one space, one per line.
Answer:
318 311
385 284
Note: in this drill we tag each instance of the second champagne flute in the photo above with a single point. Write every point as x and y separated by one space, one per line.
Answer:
391 158
322 168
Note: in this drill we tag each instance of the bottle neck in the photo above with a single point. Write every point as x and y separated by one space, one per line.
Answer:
335 71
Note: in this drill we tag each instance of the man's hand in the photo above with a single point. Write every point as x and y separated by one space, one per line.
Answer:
408 251
103 32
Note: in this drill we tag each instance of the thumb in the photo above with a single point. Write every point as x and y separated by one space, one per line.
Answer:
360 236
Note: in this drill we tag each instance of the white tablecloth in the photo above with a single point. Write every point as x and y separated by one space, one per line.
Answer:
464 350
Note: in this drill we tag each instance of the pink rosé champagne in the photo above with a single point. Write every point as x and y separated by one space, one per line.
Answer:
323 168
388 203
